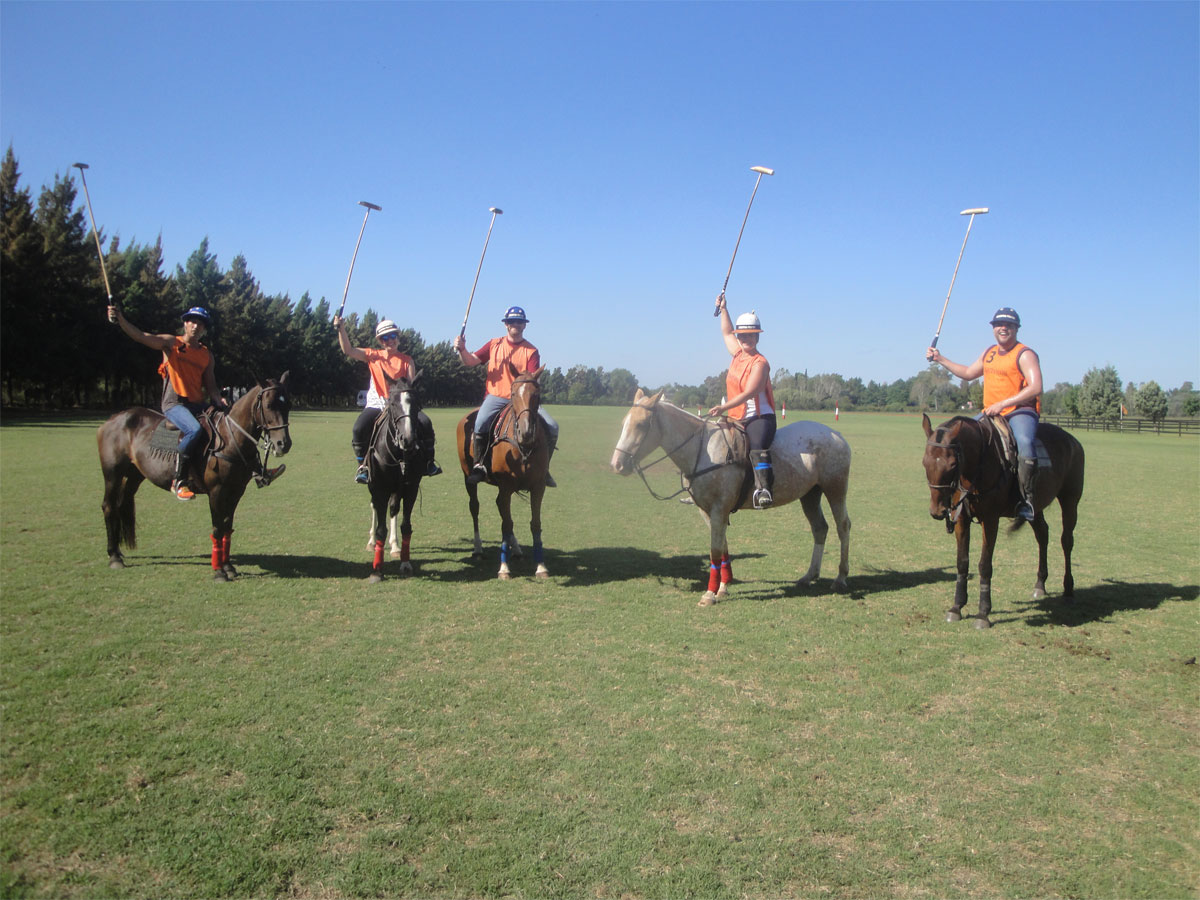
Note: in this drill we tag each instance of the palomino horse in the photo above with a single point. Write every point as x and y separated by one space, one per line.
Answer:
969 478
127 457
520 459
396 463
809 460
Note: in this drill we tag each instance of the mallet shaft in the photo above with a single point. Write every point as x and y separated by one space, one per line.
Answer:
346 290
95 233
761 170
495 212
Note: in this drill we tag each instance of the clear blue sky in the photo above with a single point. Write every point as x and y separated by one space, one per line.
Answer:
617 138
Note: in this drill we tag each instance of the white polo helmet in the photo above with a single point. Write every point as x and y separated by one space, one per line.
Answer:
747 323
387 326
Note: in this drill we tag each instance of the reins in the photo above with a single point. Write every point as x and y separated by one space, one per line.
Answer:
685 478
259 418
966 490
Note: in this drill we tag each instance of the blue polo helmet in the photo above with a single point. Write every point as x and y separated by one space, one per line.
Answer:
1006 315
514 314
198 312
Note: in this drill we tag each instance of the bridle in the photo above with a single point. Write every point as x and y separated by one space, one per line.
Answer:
685 478
396 448
258 418
964 489
517 419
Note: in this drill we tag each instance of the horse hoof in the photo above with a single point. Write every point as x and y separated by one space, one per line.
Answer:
709 599
395 554
116 563
981 623
504 576
841 587
218 575
953 616
1039 593
406 568
542 572
370 546
230 572
375 578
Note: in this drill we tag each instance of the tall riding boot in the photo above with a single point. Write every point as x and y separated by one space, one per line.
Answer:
764 479
479 470
550 482
431 468
1027 476
179 486
360 473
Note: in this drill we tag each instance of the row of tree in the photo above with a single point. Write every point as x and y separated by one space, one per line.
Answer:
51 291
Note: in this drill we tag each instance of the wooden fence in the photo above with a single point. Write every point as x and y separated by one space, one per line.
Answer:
1128 424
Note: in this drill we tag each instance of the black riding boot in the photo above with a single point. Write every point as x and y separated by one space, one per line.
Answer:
432 468
479 470
764 479
179 486
1027 475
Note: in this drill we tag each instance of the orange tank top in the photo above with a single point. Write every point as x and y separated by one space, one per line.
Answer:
741 372
184 367
498 353
387 365
1002 377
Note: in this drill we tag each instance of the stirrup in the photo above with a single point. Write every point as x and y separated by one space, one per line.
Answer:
763 498
1025 511
550 482
360 477
180 489
269 475
477 474
433 469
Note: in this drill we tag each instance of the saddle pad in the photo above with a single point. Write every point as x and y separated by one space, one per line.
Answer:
165 438
1043 457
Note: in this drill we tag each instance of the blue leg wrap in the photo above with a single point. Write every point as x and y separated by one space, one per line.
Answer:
537 547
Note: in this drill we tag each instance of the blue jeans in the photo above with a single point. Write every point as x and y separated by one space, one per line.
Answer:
183 417
1024 423
491 407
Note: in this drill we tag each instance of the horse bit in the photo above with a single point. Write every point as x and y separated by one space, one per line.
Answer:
259 418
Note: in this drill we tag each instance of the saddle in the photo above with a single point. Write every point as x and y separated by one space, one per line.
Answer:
496 434
1008 446
737 453
164 442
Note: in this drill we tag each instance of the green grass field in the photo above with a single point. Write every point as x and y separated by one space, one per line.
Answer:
300 733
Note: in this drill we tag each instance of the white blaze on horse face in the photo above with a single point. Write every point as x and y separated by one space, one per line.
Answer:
407 433
630 444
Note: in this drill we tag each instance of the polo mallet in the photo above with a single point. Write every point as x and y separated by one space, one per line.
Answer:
966 212
99 252
369 206
495 212
761 170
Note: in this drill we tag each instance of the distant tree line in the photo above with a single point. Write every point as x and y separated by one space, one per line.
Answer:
57 349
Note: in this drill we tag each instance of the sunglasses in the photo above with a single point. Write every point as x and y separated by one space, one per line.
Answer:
389 337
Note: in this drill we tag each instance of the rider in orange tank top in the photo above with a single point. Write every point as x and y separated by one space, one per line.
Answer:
1012 387
748 396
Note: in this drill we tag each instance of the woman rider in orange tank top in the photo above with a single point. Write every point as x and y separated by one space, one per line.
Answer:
748 396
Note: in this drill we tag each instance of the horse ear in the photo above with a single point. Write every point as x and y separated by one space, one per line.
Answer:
284 377
925 424
416 375
637 398
654 400
513 370
538 373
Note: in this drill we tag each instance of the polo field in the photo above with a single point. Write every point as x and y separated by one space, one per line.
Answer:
301 732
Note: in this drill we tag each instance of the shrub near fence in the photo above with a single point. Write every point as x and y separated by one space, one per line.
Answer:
1133 426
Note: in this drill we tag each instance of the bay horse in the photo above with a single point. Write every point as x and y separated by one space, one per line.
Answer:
810 460
969 478
520 459
396 463
127 457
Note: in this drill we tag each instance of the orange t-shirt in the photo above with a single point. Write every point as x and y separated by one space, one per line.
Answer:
1002 377
387 366
741 372
183 367
498 353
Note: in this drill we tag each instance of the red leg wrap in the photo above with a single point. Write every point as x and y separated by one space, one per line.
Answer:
726 570
216 552
404 548
226 542
714 576
378 565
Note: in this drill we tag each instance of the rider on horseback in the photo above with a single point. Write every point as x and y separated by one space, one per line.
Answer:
497 354
187 370
1012 388
386 365
749 396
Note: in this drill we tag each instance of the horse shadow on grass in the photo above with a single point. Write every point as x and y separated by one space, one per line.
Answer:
1096 603
861 585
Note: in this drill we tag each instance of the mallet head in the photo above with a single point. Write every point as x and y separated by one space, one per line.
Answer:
80 165
495 211
369 205
974 212
762 170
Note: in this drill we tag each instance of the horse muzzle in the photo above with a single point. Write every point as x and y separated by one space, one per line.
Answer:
622 462
280 446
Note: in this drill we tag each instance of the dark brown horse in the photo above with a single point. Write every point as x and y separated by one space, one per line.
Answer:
396 463
127 457
970 478
520 459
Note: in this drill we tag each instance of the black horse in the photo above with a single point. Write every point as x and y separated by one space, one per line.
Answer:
396 463
128 456
970 478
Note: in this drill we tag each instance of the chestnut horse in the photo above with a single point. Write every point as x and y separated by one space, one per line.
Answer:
969 478
127 458
396 463
520 459
809 458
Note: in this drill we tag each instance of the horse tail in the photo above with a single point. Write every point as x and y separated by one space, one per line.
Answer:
127 520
